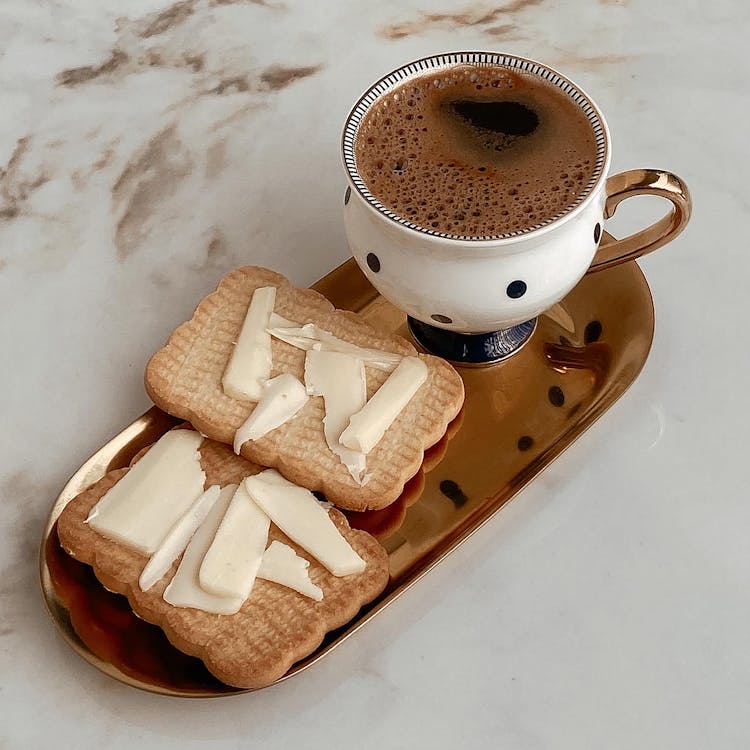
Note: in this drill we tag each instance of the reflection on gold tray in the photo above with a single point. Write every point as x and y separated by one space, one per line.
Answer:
518 416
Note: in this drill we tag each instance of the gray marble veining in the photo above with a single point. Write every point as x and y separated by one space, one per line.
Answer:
147 148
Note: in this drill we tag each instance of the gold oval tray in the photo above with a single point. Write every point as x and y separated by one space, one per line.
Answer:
518 417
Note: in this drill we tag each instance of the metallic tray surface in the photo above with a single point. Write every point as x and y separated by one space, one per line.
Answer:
518 417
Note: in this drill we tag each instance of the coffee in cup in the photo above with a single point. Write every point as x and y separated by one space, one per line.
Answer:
477 151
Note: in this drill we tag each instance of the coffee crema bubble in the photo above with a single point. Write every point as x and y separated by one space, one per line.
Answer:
477 151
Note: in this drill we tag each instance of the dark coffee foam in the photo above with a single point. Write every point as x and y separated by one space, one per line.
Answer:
476 150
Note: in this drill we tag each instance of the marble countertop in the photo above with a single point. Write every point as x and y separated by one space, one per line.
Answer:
147 148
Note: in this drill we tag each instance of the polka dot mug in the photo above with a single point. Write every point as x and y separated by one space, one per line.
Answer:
477 285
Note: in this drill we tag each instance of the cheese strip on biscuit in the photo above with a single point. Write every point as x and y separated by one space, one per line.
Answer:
231 563
184 589
367 426
340 379
250 363
301 517
282 398
177 538
310 336
156 492
282 565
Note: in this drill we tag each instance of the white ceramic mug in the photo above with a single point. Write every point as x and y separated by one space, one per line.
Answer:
469 285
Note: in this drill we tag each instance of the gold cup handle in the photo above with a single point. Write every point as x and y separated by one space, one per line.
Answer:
611 251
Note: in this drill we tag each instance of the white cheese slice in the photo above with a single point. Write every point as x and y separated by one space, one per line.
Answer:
279 321
340 379
281 399
302 337
231 563
250 364
281 564
311 336
368 426
177 538
184 589
300 516
146 503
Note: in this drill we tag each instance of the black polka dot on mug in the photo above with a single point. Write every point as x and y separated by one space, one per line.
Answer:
347 195
516 289
373 262
438 318
597 232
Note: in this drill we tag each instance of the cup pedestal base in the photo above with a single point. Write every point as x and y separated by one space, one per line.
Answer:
472 349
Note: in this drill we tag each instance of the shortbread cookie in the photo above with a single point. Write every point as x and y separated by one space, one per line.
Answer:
185 379
275 627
